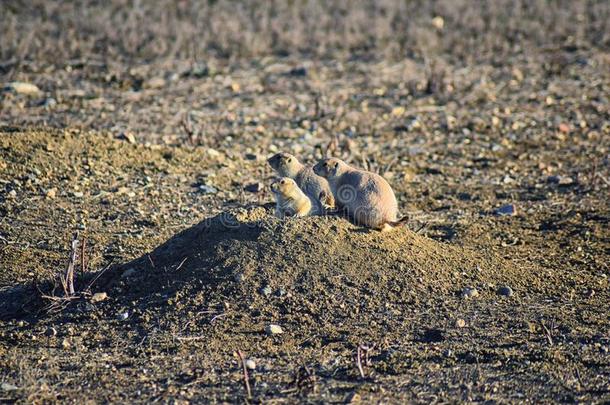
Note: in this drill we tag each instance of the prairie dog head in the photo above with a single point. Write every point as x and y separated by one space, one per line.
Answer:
330 168
284 186
285 164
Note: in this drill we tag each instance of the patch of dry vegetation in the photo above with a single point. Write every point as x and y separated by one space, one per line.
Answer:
142 30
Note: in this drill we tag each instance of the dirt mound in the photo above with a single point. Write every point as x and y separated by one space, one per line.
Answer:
314 273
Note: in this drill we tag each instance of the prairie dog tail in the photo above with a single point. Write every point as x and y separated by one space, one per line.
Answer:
388 226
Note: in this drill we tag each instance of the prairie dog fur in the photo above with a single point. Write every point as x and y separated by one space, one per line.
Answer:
366 197
314 186
290 199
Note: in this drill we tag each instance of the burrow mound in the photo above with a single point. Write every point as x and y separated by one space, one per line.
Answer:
253 269
308 270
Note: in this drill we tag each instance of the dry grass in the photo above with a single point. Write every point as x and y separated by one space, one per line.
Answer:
129 30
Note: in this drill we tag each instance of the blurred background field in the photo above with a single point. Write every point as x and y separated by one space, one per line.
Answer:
462 31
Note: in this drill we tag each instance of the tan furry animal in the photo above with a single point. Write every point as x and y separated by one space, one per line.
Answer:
290 201
367 198
314 186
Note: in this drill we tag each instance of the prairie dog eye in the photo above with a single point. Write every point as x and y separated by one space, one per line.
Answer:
282 181
335 165
288 159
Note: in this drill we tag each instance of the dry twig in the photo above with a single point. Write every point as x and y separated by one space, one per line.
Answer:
547 332
359 361
68 280
367 361
245 369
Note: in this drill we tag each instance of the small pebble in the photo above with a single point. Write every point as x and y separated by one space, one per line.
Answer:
123 316
12 194
8 387
155 83
267 290
205 189
99 297
213 153
460 323
505 291
48 102
274 329
22 88
250 364
127 136
469 292
508 209
563 127
438 23
51 193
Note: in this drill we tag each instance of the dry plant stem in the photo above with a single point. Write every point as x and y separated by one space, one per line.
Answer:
190 337
245 369
187 126
181 263
98 276
68 281
359 361
548 335
151 261
421 227
83 261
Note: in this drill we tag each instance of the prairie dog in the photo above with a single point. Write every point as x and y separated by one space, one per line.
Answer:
314 186
289 199
366 197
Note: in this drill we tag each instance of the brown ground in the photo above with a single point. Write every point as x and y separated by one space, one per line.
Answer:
150 160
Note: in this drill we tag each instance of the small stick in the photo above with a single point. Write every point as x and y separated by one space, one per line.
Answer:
187 126
83 262
359 361
150 260
367 350
69 281
548 333
190 337
181 263
98 276
243 364
421 227
58 299
217 317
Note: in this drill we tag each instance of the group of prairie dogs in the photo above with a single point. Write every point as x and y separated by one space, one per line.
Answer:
333 186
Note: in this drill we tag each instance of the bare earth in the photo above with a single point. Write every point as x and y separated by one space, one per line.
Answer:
503 169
